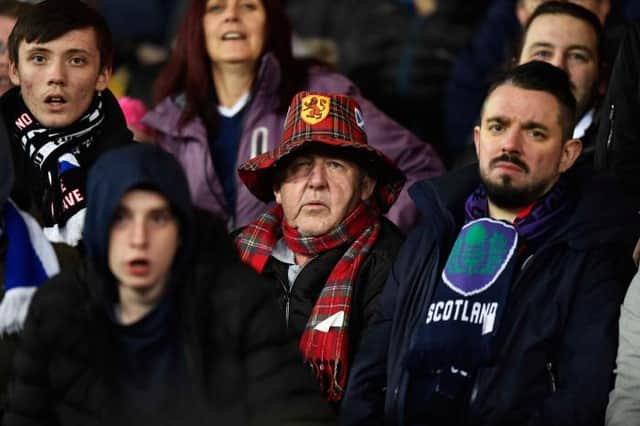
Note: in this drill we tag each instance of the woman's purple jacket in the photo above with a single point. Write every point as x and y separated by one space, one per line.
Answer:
262 129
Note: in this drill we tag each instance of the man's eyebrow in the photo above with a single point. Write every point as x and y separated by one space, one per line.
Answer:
41 49
541 44
161 209
529 125
76 51
38 49
497 118
581 47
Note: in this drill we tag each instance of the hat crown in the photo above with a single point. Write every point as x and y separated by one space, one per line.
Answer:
324 117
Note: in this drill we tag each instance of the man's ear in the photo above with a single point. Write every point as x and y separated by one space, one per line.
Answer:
570 152
476 140
276 193
367 185
103 78
13 74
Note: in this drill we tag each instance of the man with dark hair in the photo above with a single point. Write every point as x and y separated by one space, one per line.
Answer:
494 47
61 117
502 306
569 37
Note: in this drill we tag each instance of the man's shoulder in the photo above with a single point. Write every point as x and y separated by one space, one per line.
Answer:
390 239
602 215
114 130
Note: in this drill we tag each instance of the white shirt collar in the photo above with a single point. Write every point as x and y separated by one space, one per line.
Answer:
583 124
234 109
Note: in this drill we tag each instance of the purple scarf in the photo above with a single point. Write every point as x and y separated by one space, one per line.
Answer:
535 223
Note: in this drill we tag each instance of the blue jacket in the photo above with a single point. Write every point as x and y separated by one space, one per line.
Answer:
558 340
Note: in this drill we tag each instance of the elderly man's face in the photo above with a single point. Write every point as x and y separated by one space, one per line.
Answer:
317 192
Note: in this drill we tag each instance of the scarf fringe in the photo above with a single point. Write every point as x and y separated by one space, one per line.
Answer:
330 376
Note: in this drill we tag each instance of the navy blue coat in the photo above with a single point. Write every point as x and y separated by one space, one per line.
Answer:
559 336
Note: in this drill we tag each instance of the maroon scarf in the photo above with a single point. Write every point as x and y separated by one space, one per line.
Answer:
326 352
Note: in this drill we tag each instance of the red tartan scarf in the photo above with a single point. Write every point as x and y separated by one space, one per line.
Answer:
326 352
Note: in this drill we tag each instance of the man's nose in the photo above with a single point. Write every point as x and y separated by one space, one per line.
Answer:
56 73
559 61
512 141
138 234
318 175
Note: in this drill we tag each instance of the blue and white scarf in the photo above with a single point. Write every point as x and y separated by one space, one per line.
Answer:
29 261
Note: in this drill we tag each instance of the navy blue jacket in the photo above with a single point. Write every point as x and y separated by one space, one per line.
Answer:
559 336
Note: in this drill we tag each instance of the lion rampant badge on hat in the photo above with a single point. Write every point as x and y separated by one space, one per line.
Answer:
315 108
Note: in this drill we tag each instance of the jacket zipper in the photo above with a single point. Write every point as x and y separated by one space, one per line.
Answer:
287 301
525 267
612 114
552 377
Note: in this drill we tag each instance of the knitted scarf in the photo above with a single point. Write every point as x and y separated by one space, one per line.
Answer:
458 334
62 157
324 343
534 223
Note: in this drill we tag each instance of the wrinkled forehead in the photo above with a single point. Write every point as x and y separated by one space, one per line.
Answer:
522 105
323 151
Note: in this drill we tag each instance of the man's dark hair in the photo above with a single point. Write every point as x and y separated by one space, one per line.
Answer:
570 9
52 19
544 77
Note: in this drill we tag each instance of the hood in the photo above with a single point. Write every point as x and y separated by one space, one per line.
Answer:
6 165
118 171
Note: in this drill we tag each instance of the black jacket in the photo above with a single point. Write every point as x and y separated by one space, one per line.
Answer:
558 337
248 372
618 148
298 302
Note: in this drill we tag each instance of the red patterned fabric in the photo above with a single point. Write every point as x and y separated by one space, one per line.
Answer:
326 352
327 119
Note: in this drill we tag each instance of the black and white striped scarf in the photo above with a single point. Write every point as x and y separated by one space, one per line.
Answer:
62 156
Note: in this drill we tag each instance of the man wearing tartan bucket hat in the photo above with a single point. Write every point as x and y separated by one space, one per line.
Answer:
325 244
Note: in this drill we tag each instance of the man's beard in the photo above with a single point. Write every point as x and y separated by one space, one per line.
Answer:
506 196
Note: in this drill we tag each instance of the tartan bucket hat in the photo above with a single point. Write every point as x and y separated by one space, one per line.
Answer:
324 121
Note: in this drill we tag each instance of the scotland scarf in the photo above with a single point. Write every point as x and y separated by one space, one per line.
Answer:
458 335
324 343
29 261
61 156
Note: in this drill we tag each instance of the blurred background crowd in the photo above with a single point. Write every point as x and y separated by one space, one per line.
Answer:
412 58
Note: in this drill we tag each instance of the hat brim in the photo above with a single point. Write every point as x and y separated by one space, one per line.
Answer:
258 173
